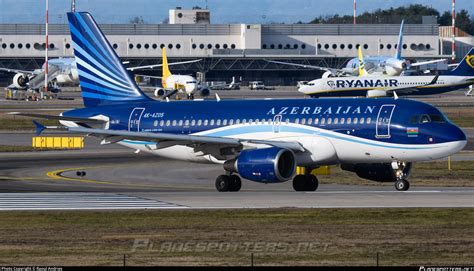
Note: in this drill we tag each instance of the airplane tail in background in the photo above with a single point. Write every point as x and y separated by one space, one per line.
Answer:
166 69
362 71
398 55
102 77
466 66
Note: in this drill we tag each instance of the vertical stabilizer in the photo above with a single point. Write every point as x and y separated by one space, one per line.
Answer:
362 71
102 77
398 55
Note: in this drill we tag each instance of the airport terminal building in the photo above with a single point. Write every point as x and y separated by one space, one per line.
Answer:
229 50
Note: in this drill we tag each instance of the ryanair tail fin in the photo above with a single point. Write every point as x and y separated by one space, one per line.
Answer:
398 55
102 77
166 69
362 71
466 66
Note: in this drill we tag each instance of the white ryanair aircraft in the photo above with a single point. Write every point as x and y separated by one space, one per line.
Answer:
380 86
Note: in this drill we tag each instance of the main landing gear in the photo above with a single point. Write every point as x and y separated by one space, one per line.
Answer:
305 183
402 185
228 183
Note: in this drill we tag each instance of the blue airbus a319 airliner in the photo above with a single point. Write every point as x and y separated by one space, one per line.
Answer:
260 140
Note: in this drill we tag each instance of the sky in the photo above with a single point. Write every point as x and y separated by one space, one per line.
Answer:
222 11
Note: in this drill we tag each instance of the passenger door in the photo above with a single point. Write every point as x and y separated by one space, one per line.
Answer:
134 121
276 123
383 121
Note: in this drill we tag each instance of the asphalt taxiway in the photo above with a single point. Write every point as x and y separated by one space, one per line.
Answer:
120 179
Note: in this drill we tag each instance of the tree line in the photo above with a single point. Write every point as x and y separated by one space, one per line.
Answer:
412 14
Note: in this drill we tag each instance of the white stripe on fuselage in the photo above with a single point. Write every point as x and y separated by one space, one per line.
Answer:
349 148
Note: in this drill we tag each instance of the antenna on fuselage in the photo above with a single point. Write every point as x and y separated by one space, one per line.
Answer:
395 95
218 98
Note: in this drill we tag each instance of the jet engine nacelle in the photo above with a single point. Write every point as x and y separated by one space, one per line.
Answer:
20 80
394 67
159 92
380 172
328 74
376 93
264 165
204 92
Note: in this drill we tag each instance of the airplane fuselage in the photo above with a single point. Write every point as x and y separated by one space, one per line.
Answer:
331 131
357 86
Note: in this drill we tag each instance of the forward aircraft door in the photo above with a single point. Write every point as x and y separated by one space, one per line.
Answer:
276 123
383 121
134 121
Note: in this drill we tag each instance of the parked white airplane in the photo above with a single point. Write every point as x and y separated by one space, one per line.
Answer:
379 86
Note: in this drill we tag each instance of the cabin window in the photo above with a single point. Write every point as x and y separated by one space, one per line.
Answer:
323 121
168 122
349 120
212 123
303 121
336 121
155 123
343 120
310 121
355 120
180 123
206 122
162 122
193 122
199 122
287 121
218 122
237 121
329 121
244 121
186 123
174 123
369 120
297 121
362 121
224 122
231 122
316 121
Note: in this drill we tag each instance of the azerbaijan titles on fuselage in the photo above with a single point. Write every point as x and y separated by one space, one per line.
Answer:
362 83
318 110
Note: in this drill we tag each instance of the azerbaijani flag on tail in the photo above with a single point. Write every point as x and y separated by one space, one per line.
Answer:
412 131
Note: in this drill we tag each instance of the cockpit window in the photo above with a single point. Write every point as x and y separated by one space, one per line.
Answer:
191 82
437 118
425 119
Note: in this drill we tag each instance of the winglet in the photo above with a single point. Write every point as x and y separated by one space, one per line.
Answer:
39 127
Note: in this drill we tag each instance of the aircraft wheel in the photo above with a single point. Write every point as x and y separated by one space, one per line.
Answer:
312 183
236 183
402 185
299 183
223 183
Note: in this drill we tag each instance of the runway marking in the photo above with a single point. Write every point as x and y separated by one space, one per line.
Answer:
56 175
79 201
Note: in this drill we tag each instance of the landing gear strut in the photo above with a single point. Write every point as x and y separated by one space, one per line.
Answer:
305 183
402 170
228 183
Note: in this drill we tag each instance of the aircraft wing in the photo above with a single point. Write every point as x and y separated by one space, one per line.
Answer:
308 66
206 144
412 89
16 71
159 65
427 62
51 117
